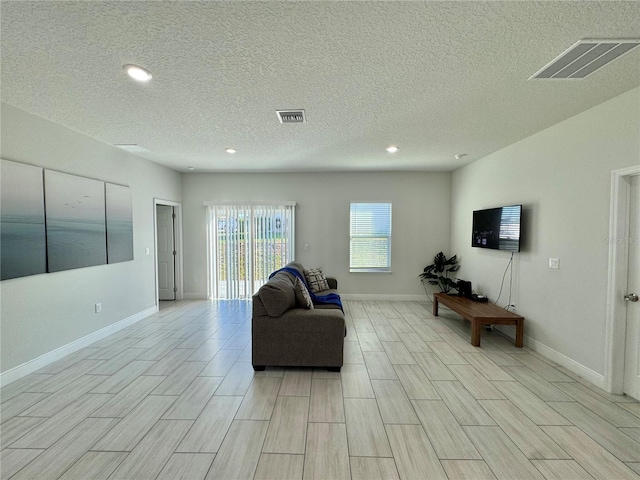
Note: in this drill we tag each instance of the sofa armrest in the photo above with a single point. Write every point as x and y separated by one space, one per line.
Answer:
333 283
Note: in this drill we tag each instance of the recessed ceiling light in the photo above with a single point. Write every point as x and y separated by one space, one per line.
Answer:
230 150
191 168
460 156
137 73
392 149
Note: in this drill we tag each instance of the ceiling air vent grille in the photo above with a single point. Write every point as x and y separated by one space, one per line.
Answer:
585 57
291 116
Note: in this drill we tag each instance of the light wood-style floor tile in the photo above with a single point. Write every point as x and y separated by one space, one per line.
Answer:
65 377
393 402
530 404
189 405
288 426
487 367
561 470
611 412
187 466
459 344
208 431
121 360
49 431
398 353
220 365
179 380
326 452
237 380
369 342
326 401
427 333
52 463
378 366
240 451
123 377
371 468
416 383
501 454
94 465
467 470
533 442
432 366
542 368
148 458
352 353
633 433
132 428
611 438
365 431
15 428
170 362
476 384
163 348
538 385
23 401
386 333
260 399
446 434
296 383
356 382
463 406
12 460
597 461
125 401
446 353
413 453
27 383
279 467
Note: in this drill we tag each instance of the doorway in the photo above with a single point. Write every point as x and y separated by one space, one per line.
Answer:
168 258
622 362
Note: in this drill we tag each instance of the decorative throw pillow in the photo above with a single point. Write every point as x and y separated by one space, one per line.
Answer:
316 280
303 299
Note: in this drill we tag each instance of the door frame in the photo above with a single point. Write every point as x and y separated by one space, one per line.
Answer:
177 234
616 315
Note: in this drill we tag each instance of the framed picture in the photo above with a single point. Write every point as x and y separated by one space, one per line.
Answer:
119 223
75 220
22 226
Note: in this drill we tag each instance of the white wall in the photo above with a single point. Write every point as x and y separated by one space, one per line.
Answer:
44 312
421 223
562 177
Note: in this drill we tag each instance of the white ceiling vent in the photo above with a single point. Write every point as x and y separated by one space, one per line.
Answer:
585 57
291 116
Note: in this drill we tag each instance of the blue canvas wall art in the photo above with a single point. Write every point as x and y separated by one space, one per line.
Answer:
75 220
22 227
119 223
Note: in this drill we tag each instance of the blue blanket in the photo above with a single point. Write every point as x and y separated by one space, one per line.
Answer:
328 299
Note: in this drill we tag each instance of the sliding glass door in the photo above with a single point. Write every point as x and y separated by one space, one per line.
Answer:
246 243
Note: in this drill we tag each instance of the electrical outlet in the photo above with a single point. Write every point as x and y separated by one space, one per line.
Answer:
307 246
554 263
98 307
511 306
147 251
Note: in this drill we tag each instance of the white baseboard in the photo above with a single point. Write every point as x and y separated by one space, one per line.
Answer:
43 360
194 296
392 297
561 359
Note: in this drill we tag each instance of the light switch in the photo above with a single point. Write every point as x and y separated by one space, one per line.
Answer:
307 246
554 263
146 251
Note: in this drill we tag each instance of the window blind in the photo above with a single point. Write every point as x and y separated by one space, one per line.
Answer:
370 237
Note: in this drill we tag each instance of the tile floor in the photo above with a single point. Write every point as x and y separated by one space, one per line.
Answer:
175 396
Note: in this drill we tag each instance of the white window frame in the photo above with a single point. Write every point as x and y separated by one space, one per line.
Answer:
371 269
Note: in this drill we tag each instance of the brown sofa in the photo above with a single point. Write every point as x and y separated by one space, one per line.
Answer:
284 334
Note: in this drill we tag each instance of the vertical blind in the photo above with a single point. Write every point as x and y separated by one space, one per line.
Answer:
370 237
247 243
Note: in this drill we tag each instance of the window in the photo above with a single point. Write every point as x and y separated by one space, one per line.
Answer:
246 243
370 237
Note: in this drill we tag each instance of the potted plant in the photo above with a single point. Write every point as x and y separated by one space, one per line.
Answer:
438 272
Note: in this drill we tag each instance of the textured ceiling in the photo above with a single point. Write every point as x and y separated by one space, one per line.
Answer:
435 78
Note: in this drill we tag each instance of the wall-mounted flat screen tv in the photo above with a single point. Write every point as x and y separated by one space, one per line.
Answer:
497 228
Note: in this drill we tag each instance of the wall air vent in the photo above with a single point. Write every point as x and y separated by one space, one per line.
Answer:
291 116
585 57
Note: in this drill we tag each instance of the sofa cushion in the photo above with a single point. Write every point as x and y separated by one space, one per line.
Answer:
316 280
303 299
278 295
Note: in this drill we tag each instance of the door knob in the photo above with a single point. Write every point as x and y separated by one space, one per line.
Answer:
632 297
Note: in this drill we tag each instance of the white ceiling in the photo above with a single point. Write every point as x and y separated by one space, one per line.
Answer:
435 78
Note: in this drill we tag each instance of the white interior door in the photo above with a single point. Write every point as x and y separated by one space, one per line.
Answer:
166 253
632 350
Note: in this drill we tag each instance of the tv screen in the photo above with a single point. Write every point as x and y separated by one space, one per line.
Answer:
497 228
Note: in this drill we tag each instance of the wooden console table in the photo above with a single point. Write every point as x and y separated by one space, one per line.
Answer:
480 314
